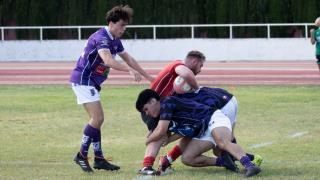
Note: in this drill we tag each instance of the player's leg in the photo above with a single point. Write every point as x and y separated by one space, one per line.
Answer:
231 110
166 161
151 153
222 134
85 94
152 148
318 61
95 111
192 155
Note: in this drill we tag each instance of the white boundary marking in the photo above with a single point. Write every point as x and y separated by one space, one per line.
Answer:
298 134
261 144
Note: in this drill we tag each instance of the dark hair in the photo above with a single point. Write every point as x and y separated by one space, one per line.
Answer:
144 97
196 54
119 12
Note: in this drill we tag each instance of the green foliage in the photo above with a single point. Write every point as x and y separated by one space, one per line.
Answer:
41 128
89 12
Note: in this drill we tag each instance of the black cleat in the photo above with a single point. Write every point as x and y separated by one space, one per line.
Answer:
83 163
228 163
104 164
252 171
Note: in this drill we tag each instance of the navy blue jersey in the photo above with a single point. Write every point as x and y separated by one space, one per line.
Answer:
213 97
187 118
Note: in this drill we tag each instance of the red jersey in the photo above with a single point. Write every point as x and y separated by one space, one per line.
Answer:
163 84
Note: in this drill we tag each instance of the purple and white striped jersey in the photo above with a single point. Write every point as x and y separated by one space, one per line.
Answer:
90 69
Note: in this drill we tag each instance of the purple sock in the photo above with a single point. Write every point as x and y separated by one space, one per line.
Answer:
251 156
245 161
219 161
96 142
86 141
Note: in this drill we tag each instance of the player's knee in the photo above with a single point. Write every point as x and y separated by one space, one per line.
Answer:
222 144
97 121
187 159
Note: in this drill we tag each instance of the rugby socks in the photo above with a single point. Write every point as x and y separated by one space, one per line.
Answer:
251 156
219 161
174 153
96 143
86 141
91 134
148 161
245 161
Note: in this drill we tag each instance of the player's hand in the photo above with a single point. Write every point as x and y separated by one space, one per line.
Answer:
137 76
151 78
165 141
150 132
311 31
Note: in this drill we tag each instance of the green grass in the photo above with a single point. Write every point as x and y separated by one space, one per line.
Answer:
41 129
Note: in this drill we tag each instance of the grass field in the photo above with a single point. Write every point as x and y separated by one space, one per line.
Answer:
41 129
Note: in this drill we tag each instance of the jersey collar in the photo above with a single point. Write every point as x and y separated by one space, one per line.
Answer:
108 32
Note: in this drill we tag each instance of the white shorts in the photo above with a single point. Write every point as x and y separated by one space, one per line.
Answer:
85 94
231 110
218 119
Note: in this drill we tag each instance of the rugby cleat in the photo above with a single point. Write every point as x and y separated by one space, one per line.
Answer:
252 171
101 163
164 165
228 163
257 160
83 163
148 171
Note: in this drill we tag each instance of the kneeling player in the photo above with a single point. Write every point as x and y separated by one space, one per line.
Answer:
191 119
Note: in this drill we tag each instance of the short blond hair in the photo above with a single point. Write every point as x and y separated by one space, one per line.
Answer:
317 22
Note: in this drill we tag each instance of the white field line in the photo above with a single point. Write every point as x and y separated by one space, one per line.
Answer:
293 135
143 177
261 144
298 134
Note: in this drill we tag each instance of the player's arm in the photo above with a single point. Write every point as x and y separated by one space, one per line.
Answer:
172 138
134 65
312 39
159 132
109 61
188 75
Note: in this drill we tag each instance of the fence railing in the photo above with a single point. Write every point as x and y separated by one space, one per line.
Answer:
5 30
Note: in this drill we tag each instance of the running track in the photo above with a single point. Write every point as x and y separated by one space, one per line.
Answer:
213 73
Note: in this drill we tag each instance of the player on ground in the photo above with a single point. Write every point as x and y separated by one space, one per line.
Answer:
91 71
191 119
315 39
163 85
212 97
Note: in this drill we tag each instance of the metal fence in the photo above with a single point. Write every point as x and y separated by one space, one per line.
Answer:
299 30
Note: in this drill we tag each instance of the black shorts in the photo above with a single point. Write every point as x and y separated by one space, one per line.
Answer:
318 59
